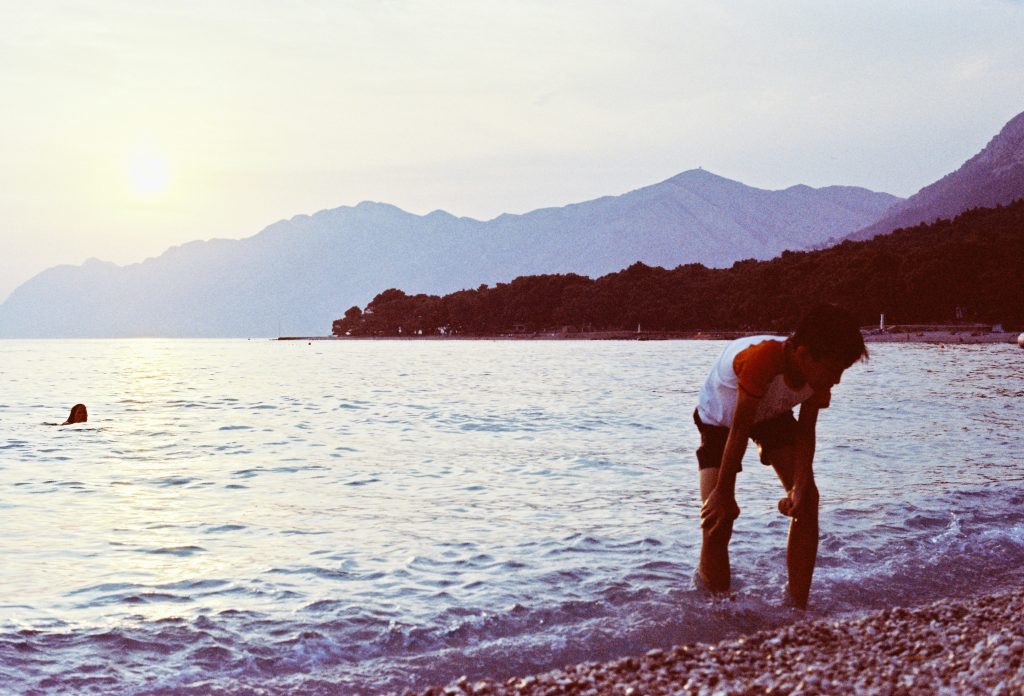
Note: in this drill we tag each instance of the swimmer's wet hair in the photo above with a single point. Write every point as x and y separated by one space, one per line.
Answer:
78 415
831 332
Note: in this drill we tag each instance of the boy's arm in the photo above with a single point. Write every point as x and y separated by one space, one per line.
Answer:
721 506
805 491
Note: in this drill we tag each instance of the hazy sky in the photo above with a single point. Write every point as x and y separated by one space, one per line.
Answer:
127 126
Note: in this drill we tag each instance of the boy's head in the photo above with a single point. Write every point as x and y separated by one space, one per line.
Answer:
826 342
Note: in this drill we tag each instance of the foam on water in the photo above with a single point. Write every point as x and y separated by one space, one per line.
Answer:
372 516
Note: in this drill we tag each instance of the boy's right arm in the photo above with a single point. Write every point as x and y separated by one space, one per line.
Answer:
721 506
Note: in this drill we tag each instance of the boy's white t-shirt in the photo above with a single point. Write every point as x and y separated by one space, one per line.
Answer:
755 364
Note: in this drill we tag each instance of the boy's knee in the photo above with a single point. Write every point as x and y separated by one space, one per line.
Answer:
809 516
813 497
810 498
718 539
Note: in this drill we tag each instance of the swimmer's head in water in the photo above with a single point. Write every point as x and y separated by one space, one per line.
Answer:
78 415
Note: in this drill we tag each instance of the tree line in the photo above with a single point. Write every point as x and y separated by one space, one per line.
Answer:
970 268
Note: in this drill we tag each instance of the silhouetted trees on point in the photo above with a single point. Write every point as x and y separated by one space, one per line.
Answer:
916 275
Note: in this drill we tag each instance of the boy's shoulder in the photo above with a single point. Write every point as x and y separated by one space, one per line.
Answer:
745 341
757 362
757 350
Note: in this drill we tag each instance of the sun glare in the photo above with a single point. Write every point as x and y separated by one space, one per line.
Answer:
148 175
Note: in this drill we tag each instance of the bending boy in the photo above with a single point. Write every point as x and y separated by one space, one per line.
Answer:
750 393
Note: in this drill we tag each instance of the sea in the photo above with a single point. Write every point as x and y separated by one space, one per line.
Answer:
363 517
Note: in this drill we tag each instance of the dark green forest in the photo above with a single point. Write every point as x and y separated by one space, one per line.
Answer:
969 269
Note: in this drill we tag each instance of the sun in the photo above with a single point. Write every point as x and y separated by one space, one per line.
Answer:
148 175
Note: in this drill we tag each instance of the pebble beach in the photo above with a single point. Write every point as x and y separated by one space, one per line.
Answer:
973 646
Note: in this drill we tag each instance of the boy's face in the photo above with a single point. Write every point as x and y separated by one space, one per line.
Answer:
820 373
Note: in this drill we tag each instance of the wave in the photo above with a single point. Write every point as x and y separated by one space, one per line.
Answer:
349 645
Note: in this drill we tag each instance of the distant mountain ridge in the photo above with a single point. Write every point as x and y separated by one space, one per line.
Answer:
995 176
297 275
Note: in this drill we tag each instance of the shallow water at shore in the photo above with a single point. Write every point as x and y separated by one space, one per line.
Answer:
380 515
972 646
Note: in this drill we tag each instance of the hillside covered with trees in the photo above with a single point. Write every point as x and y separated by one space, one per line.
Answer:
970 268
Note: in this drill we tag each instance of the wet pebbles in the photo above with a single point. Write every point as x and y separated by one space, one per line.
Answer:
951 647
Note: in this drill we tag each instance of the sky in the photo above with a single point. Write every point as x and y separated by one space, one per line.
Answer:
129 126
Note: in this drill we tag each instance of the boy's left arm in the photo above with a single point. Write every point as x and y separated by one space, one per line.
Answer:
805 491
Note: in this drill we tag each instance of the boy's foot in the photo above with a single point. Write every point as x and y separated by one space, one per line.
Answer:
701 585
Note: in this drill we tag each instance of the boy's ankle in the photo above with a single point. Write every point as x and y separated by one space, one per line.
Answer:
702 582
790 600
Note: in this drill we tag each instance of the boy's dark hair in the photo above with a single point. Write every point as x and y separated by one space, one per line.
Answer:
830 332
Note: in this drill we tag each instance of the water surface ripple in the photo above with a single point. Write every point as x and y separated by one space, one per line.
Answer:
365 517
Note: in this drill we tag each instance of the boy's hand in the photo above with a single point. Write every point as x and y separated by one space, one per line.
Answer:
717 510
800 501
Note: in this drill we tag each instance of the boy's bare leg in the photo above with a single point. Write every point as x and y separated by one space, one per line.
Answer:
714 550
802 545
801 555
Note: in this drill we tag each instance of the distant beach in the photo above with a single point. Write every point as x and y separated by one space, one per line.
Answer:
972 646
894 335
942 337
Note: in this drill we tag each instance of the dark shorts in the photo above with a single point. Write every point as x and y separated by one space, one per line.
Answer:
779 431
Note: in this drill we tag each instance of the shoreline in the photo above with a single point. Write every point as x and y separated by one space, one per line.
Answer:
900 335
943 337
970 646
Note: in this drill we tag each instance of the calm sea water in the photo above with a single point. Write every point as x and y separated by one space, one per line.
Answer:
363 517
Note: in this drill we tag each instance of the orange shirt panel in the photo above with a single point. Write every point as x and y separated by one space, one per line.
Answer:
757 365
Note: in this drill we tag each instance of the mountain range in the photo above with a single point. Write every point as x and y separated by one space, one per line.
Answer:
297 276
995 176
